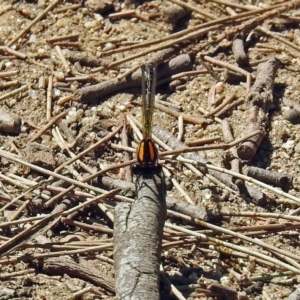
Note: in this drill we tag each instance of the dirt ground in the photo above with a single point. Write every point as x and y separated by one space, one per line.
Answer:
199 269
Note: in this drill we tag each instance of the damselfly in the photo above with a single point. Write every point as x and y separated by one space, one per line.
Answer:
147 154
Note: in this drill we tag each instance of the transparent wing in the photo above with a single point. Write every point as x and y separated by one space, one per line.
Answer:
149 78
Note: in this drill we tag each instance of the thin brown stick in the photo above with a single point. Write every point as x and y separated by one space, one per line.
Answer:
62 265
178 64
48 126
220 22
63 59
55 39
49 98
33 22
8 246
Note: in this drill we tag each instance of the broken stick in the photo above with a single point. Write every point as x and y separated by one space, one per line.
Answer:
260 98
176 65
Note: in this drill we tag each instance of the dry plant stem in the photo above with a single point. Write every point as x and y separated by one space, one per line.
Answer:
266 277
173 143
88 289
68 7
261 92
15 200
9 73
89 149
23 88
50 173
14 52
8 246
186 118
108 183
178 187
172 204
250 252
229 107
166 45
262 215
4 276
174 290
128 72
33 22
48 126
180 128
235 162
63 59
65 99
5 8
238 175
211 96
21 221
63 38
178 64
90 201
243 237
62 265
278 38
260 98
19 210
220 22
122 14
204 148
214 102
204 141
10 260
191 210
68 44
235 5
221 106
49 98
254 181
87 227
226 65
138 239
5 85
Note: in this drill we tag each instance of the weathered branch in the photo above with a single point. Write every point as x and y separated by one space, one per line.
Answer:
63 265
260 98
178 64
138 239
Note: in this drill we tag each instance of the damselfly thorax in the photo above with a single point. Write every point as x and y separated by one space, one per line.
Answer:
147 154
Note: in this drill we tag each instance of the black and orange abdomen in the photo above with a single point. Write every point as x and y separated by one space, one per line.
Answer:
147 154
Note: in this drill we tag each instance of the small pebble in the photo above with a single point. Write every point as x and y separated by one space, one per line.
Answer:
292 115
220 87
9 122
6 293
297 148
99 6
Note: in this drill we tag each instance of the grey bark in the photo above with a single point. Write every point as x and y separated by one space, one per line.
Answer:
138 238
